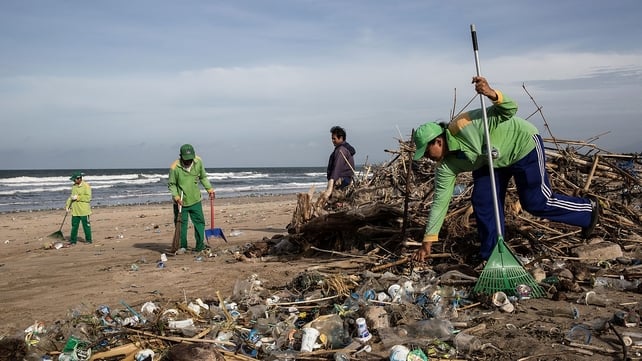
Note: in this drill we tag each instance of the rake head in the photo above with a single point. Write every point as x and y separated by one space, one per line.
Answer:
57 235
503 272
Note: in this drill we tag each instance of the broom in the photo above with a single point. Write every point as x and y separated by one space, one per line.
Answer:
177 228
503 271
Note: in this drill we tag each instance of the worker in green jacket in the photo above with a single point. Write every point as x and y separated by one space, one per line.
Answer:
185 174
517 151
79 205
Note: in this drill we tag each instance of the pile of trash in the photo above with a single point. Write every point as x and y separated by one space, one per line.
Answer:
418 315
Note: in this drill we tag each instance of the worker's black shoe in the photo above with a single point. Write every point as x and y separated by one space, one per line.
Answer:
595 215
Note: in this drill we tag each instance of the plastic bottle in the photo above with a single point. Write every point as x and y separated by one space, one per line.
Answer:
432 327
616 283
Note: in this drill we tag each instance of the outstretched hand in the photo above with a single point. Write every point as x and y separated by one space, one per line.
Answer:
482 87
423 253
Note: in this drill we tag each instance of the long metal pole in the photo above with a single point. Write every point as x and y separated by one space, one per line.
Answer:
489 147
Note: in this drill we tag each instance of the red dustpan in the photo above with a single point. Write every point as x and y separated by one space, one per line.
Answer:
213 232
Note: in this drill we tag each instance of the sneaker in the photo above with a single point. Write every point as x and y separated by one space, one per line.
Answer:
181 251
595 215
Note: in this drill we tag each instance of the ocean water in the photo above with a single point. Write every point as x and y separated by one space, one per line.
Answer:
30 190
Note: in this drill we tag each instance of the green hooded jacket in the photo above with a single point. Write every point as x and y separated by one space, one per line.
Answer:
81 206
186 180
510 136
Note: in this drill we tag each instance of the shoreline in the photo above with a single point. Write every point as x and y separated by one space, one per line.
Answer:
255 198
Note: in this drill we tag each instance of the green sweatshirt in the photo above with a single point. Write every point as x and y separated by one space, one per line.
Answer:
186 180
81 206
510 135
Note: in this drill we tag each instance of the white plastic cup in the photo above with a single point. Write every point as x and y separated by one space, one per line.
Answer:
163 257
309 338
502 302
592 298
362 330
399 353
180 324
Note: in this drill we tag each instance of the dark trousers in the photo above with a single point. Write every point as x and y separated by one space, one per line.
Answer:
195 213
86 227
343 182
535 196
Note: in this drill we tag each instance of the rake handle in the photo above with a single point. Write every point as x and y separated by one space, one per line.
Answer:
63 221
489 148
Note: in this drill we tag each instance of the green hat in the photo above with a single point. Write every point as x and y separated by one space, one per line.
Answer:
424 135
187 152
76 175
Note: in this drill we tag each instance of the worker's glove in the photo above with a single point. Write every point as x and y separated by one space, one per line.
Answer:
212 193
74 197
67 209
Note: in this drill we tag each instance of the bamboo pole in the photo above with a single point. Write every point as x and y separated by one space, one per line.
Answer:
592 173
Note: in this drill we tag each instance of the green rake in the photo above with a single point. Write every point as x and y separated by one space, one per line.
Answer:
503 271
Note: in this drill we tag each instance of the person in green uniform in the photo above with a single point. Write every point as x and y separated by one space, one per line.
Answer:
185 174
518 153
79 205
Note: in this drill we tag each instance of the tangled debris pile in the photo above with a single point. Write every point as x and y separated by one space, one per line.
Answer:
388 206
367 301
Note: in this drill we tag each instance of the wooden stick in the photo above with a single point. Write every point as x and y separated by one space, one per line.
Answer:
124 350
538 225
306 301
404 225
474 329
221 304
179 339
392 264
470 306
340 253
592 348
592 173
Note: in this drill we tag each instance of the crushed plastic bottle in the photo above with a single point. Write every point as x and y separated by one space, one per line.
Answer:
616 283
432 328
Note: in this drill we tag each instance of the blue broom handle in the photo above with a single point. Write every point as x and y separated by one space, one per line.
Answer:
489 148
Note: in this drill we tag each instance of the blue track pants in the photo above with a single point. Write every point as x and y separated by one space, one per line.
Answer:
535 196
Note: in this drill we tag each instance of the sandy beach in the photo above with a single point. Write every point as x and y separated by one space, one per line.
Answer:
41 283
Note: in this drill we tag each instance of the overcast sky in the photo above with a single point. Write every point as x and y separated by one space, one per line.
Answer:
122 84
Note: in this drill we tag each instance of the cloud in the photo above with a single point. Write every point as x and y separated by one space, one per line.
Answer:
262 84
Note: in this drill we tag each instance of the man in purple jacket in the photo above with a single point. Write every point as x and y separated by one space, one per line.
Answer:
341 163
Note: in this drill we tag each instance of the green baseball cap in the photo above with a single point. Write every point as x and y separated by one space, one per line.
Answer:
187 152
424 135
75 175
